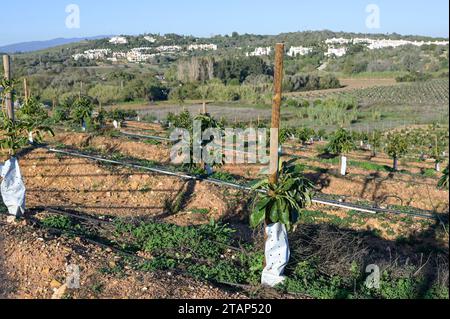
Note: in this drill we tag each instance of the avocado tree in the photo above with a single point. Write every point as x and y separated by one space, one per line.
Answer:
443 181
305 135
29 123
185 121
119 116
397 147
437 148
284 201
286 133
16 133
375 142
341 143
82 110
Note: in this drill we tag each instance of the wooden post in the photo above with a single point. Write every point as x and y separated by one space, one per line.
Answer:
274 131
81 89
205 111
276 119
25 90
9 103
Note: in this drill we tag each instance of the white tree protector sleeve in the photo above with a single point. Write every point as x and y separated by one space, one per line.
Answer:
12 187
277 255
343 165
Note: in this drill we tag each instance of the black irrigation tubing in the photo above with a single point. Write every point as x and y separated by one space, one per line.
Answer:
152 137
52 210
372 210
317 200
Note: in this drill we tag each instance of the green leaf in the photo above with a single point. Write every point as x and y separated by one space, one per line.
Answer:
257 217
274 213
259 184
284 211
262 203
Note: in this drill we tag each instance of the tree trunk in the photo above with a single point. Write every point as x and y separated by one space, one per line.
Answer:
395 164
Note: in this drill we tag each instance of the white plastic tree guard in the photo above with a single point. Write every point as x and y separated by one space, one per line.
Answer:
12 187
343 165
437 166
277 255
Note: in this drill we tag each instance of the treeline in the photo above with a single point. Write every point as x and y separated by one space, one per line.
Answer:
407 59
249 79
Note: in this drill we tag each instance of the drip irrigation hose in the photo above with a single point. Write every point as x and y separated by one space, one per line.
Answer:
317 200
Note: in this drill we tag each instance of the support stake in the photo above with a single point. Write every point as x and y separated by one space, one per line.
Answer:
276 118
9 103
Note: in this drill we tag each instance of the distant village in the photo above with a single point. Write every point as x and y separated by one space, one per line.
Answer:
336 47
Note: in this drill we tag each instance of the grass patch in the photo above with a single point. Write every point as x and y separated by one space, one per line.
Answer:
428 172
202 251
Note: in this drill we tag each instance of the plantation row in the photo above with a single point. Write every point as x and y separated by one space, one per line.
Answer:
80 112
432 92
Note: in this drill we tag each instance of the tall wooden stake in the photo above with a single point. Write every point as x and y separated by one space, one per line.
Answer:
276 118
25 90
9 98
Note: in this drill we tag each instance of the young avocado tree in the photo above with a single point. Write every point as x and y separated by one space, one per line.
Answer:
305 135
185 121
397 147
443 181
286 133
375 142
15 135
82 110
279 206
341 143
119 116
321 134
437 149
284 201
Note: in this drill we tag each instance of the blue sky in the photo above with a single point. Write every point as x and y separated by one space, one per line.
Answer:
45 19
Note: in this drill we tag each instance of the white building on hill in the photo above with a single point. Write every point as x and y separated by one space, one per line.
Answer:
203 47
169 48
118 40
150 39
260 52
96 54
294 51
338 52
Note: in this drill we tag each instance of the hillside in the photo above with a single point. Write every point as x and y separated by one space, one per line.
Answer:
25 47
